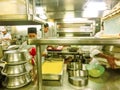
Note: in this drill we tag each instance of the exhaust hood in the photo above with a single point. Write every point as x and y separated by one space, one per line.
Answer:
19 12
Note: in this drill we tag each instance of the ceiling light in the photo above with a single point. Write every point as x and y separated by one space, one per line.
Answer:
89 13
69 15
96 6
76 20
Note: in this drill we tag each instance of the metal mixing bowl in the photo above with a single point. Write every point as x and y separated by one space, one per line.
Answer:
15 56
14 70
16 81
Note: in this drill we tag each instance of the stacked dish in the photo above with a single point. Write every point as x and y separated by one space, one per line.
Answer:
77 74
14 69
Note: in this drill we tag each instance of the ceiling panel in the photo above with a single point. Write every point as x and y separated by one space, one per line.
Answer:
56 9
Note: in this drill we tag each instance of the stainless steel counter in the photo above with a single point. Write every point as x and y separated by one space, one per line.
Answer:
110 80
67 41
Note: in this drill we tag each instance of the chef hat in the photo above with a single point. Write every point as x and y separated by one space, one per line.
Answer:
32 30
46 25
2 28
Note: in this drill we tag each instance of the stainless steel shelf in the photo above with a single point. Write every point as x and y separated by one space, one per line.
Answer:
20 19
72 32
75 41
15 16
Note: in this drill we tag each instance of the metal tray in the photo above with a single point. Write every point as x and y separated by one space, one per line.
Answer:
50 76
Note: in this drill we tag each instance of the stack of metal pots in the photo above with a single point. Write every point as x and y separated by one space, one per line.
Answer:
77 74
15 71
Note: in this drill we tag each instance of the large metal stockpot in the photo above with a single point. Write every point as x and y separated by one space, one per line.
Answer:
15 56
14 70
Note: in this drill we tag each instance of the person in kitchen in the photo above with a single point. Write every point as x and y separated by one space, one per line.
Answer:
32 34
46 35
5 37
46 30
96 51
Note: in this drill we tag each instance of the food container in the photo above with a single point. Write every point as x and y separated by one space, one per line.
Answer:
14 70
78 81
52 72
15 57
16 81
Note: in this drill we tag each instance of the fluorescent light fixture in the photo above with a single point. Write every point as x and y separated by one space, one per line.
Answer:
90 13
69 15
92 8
96 6
76 20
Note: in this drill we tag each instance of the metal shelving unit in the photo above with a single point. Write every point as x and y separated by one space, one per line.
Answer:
18 18
66 41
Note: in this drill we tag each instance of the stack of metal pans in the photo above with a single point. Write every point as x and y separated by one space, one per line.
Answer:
77 74
16 74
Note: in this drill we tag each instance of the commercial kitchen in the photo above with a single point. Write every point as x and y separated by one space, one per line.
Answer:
80 50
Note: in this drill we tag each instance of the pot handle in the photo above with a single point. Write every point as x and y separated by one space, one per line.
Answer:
2 63
3 72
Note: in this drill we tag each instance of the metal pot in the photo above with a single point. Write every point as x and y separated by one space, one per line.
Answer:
16 81
77 73
74 66
15 56
78 81
14 70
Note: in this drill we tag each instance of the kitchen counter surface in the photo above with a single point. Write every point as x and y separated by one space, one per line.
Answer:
110 80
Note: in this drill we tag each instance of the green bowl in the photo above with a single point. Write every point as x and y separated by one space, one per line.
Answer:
95 70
